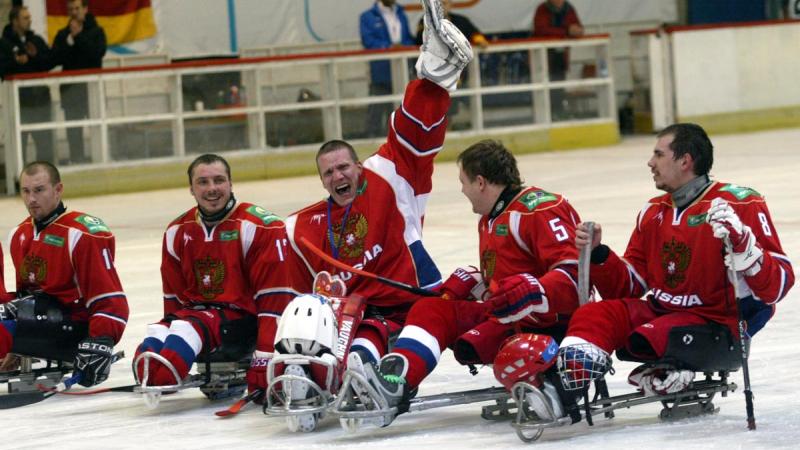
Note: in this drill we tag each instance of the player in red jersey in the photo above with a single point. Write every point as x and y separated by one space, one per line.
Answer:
528 264
373 216
4 295
223 264
72 301
673 272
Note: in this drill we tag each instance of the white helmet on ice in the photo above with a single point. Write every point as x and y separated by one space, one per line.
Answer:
307 327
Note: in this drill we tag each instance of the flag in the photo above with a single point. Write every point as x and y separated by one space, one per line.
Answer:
123 20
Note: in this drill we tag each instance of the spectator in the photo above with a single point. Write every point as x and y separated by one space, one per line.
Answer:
79 45
22 51
383 26
557 18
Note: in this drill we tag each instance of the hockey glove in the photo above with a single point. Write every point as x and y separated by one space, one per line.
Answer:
94 360
445 50
8 311
465 283
660 381
257 373
518 296
747 255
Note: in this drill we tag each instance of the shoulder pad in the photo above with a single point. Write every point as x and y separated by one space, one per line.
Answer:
262 214
740 192
533 199
92 224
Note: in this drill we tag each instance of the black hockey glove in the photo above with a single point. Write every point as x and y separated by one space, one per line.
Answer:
94 359
8 310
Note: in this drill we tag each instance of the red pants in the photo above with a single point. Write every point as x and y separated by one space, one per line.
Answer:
612 324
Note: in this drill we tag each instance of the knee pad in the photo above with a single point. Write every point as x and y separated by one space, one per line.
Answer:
186 331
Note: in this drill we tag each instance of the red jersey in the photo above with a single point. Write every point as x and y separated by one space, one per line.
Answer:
72 259
4 295
240 263
674 257
548 22
381 231
534 234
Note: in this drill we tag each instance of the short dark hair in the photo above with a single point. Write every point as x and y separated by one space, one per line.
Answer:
34 167
692 139
491 160
332 146
84 2
208 158
13 14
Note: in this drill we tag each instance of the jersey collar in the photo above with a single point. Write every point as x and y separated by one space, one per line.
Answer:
504 200
40 225
687 193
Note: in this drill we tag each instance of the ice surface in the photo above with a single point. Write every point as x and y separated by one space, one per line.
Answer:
607 185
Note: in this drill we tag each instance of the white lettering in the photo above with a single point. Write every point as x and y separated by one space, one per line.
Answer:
368 256
343 339
686 300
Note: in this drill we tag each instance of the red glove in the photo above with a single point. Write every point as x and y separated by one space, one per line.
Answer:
465 283
257 374
516 297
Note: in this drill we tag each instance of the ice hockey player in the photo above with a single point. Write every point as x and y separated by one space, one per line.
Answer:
223 264
528 261
372 218
674 262
4 295
70 301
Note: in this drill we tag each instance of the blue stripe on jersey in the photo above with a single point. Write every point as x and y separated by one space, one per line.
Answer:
409 142
428 274
419 349
151 344
366 355
512 308
181 348
10 326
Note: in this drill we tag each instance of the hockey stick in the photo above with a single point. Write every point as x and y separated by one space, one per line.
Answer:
127 388
342 266
236 407
29 398
748 393
584 291
584 260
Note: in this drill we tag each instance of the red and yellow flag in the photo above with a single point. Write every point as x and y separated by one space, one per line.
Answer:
123 20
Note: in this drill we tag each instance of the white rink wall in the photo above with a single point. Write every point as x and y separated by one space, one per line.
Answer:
607 185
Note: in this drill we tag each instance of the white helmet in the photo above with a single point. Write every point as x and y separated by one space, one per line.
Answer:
307 327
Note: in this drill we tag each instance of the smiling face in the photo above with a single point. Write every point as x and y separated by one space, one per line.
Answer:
339 173
40 195
211 187
669 173
476 192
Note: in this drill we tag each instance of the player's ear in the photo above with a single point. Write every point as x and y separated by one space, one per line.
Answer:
481 181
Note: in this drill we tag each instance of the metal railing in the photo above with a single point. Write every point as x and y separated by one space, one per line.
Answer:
291 101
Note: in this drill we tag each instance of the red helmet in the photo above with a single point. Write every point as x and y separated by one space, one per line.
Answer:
523 357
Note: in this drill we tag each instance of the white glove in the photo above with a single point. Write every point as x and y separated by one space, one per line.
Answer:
660 381
747 255
445 50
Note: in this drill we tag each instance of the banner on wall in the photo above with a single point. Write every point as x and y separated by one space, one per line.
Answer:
124 21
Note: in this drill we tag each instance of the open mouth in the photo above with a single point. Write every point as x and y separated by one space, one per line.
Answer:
342 189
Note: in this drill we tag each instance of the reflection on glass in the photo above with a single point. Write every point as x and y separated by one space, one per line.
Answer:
140 140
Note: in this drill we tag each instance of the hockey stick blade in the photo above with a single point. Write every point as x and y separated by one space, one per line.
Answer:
21 399
127 388
236 407
342 266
